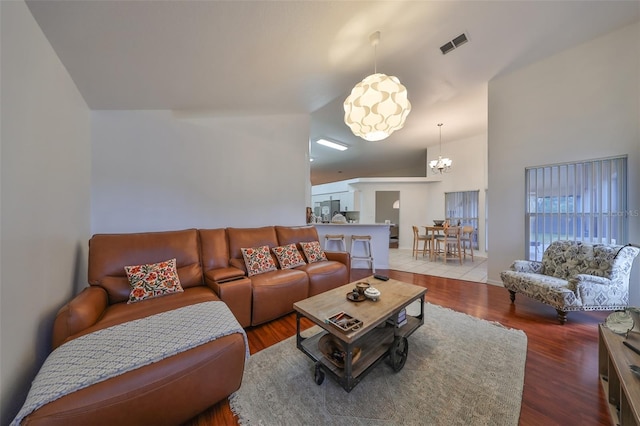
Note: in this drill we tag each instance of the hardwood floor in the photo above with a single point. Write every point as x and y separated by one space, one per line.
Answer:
561 384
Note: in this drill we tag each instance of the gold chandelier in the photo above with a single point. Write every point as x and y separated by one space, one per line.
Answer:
378 105
441 165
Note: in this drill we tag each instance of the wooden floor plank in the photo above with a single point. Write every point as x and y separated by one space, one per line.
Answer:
561 374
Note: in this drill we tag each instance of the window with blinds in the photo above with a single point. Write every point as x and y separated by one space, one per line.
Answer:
462 208
585 201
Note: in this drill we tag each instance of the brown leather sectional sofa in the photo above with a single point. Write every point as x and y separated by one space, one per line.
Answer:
210 267
270 295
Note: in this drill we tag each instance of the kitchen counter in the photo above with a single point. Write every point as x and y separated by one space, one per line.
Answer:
379 233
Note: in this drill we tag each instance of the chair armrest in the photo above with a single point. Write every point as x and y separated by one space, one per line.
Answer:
600 291
531 266
339 256
80 313
585 279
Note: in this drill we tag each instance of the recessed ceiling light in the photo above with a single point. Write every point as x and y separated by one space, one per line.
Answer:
331 144
311 159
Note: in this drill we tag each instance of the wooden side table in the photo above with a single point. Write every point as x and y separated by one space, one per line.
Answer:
621 386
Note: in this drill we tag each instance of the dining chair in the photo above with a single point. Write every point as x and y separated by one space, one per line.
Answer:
467 240
417 237
435 236
451 244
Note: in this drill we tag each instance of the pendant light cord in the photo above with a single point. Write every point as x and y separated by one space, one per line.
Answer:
375 59
374 39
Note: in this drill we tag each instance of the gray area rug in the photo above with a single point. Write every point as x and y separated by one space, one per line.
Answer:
460 371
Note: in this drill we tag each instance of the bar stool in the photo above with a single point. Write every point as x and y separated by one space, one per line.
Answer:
365 241
338 242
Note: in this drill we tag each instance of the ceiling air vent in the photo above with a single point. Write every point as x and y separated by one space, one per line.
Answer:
446 48
456 42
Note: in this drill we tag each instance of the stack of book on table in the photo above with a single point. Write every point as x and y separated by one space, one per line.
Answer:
400 320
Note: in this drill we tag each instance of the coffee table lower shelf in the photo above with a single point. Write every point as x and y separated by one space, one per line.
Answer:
376 345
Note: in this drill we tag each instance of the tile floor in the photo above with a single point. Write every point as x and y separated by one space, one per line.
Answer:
402 260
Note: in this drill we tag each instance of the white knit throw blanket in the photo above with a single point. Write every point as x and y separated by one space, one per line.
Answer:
106 353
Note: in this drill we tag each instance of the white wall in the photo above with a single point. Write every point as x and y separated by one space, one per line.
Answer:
155 170
578 105
327 188
45 173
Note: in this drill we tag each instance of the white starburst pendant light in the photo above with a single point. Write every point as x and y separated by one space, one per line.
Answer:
378 105
441 165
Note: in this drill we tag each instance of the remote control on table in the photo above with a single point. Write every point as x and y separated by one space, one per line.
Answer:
381 277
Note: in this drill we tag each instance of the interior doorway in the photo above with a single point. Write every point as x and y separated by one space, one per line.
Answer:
388 209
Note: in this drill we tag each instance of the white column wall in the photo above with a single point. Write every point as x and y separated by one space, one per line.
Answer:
45 201
580 104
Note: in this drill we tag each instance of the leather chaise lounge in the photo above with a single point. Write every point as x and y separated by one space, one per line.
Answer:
210 268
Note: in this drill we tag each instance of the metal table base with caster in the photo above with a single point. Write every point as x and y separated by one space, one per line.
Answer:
383 339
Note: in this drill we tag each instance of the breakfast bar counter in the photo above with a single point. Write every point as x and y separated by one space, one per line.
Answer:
379 233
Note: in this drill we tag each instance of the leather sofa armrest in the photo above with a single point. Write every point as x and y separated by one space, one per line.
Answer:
221 275
80 313
339 256
238 264
236 293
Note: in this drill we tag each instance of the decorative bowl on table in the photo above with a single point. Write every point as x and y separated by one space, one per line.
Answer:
619 322
372 293
438 222
361 286
354 296
634 311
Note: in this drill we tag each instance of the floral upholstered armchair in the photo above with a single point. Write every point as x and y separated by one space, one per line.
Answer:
575 276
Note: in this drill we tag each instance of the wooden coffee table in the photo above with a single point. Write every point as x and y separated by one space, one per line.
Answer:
374 340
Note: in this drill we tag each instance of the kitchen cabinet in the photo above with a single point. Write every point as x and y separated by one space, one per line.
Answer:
349 200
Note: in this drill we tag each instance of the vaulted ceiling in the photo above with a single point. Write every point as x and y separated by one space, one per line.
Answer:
270 57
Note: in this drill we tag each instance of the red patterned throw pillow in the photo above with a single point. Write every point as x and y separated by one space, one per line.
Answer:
153 280
258 260
288 256
313 252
